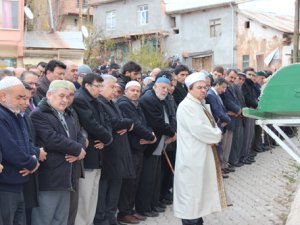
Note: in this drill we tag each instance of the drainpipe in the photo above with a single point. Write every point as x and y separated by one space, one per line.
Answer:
232 38
296 32
51 16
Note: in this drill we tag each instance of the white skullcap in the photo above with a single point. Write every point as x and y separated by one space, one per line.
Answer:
132 83
194 77
9 81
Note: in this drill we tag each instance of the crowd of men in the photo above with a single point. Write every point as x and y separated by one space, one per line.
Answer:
91 147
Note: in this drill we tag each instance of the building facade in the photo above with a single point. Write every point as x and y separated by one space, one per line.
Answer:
11 33
204 36
264 40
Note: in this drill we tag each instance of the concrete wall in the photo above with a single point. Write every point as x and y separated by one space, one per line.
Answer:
127 17
194 35
258 40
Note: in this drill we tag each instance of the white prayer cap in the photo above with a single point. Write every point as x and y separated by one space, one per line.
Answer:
9 81
132 83
194 77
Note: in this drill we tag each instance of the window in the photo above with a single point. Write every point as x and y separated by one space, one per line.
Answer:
85 3
215 27
8 62
173 22
143 14
9 17
245 61
247 24
111 20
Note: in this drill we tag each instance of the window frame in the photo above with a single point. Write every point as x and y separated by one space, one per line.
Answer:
213 24
245 62
143 15
14 14
111 20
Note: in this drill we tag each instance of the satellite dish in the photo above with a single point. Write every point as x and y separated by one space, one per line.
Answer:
28 12
85 31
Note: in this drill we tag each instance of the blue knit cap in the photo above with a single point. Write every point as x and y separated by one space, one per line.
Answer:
163 79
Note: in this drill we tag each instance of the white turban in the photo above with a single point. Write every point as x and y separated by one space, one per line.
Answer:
9 81
132 83
194 77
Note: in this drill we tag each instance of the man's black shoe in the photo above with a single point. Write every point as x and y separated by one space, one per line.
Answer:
162 205
239 164
158 209
266 148
259 150
246 162
225 171
225 176
149 214
251 160
230 165
230 169
167 202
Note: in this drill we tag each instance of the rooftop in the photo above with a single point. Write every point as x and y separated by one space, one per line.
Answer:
190 6
279 22
56 40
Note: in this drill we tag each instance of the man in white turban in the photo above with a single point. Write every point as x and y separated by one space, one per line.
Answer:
195 181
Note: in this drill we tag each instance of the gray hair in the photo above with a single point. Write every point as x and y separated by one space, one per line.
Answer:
5 72
107 78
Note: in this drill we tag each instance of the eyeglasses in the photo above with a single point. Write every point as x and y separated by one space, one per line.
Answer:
97 85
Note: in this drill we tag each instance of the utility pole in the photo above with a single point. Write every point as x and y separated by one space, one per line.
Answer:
296 33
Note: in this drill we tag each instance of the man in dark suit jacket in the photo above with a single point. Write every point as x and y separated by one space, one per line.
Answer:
157 117
117 163
216 104
218 110
30 188
233 109
97 126
140 136
181 72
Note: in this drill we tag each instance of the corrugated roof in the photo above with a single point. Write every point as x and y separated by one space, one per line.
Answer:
56 40
183 7
276 21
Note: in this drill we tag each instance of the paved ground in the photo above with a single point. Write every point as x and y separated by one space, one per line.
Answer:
261 193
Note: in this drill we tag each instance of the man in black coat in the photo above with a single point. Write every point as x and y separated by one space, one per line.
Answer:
30 188
130 71
181 72
156 113
18 157
234 109
140 136
117 159
55 70
98 129
238 127
249 92
57 134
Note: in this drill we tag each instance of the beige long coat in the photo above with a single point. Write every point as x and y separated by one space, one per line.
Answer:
195 180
